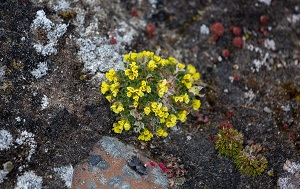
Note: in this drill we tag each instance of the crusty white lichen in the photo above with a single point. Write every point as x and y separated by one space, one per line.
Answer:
45 102
29 180
66 174
54 32
27 138
5 139
41 70
291 179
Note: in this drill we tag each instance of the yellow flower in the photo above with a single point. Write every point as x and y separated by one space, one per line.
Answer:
126 125
121 122
148 54
139 93
165 109
128 72
178 98
159 106
115 92
131 89
153 105
187 80
187 77
156 58
161 132
163 62
161 92
148 89
133 56
191 69
143 83
182 116
186 98
108 97
171 120
188 85
136 93
196 104
120 125
114 88
147 110
134 66
196 76
117 107
135 104
146 135
166 115
162 82
111 74
162 88
151 65
132 74
104 87
136 97
126 57
172 61
180 66
160 114
162 120
129 94
117 128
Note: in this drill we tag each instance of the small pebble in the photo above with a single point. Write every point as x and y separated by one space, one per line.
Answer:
267 109
188 138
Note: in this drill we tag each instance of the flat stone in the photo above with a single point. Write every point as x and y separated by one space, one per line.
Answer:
107 168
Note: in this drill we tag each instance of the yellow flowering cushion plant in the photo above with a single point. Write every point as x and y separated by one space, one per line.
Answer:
151 94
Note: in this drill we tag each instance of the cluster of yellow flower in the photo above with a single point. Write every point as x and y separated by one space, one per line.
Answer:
158 109
152 92
162 88
120 125
161 132
138 92
146 135
182 98
132 73
111 75
193 75
117 107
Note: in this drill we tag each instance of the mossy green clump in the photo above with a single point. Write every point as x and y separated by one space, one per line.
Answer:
229 142
68 15
249 161
151 94
6 87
